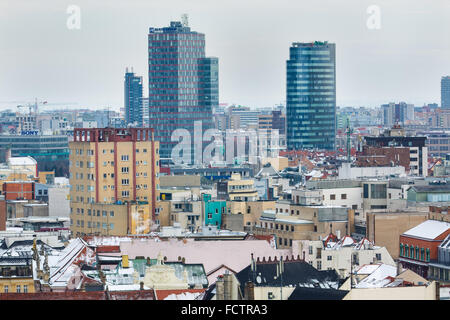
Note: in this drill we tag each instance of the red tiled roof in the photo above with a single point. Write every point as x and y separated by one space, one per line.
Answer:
79 295
67 295
162 294
109 249
132 295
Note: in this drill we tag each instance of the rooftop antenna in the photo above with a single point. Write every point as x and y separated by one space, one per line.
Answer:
185 20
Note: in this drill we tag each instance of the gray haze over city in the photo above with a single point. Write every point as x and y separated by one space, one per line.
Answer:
404 60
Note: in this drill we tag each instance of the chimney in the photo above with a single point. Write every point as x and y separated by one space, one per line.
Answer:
227 286
249 291
219 289
125 263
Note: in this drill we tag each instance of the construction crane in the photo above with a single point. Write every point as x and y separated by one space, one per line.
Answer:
34 106
349 132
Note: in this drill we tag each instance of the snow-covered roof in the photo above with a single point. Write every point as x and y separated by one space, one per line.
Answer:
21 161
430 229
379 277
183 296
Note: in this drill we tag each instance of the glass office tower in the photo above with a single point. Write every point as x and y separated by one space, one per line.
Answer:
133 99
183 83
445 92
311 96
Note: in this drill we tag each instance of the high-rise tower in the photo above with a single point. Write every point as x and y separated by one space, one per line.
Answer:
133 99
445 92
183 83
311 96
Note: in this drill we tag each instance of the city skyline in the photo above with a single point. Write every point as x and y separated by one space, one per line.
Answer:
252 72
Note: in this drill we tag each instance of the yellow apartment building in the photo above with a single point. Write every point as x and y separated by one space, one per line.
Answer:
113 180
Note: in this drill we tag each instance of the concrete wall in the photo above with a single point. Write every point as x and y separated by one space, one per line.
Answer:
384 229
58 202
395 293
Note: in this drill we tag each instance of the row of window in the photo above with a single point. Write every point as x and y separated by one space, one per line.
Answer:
92 212
18 288
90 152
284 241
96 225
412 252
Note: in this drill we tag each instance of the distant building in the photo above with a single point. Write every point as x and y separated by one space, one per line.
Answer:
397 113
311 96
396 138
50 151
133 99
445 92
183 83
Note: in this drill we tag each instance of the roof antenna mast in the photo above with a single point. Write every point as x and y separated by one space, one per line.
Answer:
185 20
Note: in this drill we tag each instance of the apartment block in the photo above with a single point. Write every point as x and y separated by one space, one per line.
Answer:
113 177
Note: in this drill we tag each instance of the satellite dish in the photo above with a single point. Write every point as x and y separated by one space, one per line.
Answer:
258 279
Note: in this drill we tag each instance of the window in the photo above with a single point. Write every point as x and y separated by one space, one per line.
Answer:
25 288
422 254
125 194
401 249
125 169
332 197
427 258
319 265
111 213
125 182
329 258
111 226
310 250
280 241
104 213
6 288
366 191
343 196
354 206
124 157
209 215
18 288
378 191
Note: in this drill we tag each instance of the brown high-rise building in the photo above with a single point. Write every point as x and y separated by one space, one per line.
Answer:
113 177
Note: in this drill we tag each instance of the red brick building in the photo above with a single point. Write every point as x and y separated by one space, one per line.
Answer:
419 245
18 190
2 213
384 157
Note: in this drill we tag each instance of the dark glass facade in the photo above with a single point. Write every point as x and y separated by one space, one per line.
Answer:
133 99
50 152
445 92
311 96
182 83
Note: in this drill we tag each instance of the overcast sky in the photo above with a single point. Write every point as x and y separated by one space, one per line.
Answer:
402 61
